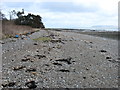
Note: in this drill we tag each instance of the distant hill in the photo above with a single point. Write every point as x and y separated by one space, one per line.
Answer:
105 26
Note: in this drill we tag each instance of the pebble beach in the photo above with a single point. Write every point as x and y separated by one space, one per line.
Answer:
59 59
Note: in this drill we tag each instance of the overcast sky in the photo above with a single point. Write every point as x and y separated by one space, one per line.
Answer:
67 13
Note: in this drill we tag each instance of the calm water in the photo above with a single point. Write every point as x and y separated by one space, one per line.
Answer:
101 29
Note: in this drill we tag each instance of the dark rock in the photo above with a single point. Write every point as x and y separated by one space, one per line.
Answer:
111 60
103 51
5 85
31 70
63 70
31 84
91 46
84 77
68 60
118 58
49 49
52 36
37 51
27 55
73 61
92 76
44 46
10 84
87 68
108 57
56 40
64 40
35 44
2 43
114 61
57 64
25 59
46 64
51 59
40 56
91 42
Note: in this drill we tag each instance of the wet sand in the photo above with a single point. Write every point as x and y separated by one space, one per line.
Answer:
67 60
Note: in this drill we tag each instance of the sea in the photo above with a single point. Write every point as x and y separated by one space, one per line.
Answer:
100 29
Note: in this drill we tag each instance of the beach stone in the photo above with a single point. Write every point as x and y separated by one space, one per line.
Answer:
46 64
64 70
103 51
25 59
49 49
31 70
5 85
31 84
40 56
37 51
68 60
1 42
23 36
87 68
58 64
10 84
108 57
34 73
35 44
91 42
18 67
118 58
84 77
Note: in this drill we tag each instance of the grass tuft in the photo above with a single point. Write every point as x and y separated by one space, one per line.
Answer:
44 39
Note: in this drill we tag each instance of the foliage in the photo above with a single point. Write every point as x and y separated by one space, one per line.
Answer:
2 16
20 13
29 20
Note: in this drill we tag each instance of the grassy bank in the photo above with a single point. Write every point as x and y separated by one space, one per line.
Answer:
9 29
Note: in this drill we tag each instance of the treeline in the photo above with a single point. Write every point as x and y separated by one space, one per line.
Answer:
35 21
30 20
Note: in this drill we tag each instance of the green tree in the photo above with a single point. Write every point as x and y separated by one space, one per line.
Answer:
30 20
19 14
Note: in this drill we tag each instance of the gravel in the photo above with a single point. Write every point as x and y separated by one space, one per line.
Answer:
70 60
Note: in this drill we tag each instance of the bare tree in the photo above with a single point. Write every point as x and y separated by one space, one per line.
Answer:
11 14
2 16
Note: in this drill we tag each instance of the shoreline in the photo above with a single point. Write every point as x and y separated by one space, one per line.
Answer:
55 59
104 34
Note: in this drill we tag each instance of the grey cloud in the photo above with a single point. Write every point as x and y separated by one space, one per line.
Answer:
67 7
18 4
